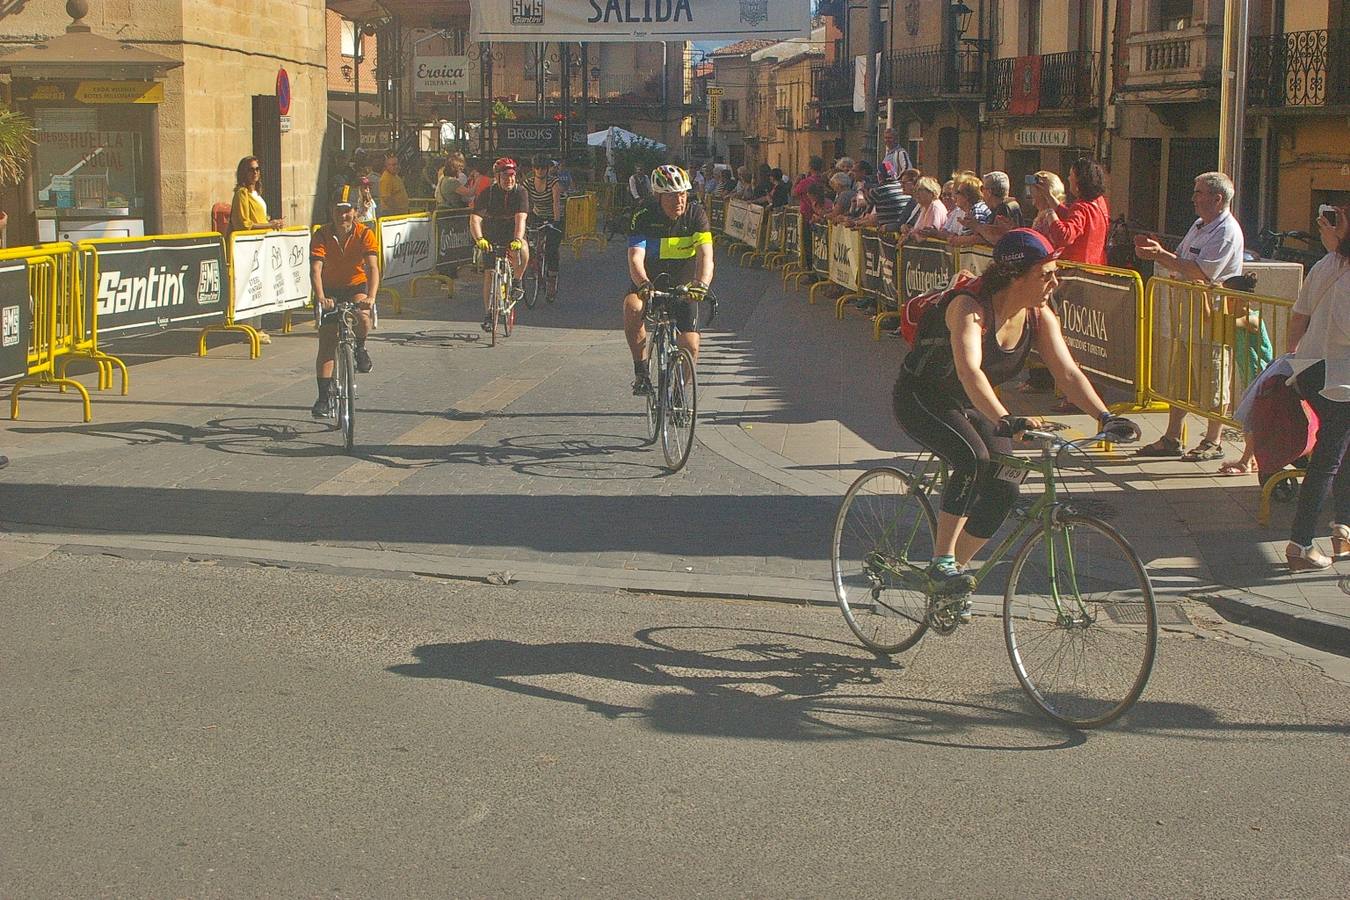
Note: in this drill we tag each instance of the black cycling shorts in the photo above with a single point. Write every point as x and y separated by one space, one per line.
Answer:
341 295
683 312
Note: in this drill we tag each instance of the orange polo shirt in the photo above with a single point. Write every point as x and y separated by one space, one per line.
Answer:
344 263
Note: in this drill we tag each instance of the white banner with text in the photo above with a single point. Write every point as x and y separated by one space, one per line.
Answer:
406 247
270 271
636 20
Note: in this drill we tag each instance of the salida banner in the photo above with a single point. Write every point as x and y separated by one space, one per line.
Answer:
870 282
890 250
405 247
454 243
16 321
1098 316
792 233
269 271
629 20
144 285
923 267
820 249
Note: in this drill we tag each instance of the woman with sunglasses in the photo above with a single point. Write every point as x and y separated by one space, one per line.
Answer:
248 211
978 337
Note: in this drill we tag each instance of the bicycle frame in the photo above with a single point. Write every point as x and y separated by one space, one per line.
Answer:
1041 514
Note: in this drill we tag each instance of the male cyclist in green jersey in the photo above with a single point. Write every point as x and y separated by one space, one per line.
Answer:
669 236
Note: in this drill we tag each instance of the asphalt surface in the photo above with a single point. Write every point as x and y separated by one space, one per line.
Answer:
195 728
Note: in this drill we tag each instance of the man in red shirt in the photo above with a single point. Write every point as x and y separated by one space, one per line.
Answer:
1079 228
344 264
816 170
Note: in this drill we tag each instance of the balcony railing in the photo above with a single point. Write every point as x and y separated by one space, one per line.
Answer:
1068 81
1299 69
1167 56
832 84
929 72
1181 65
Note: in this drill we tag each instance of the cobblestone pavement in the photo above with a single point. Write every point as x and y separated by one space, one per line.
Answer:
528 458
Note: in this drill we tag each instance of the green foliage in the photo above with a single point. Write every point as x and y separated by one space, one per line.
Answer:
636 156
16 146
501 111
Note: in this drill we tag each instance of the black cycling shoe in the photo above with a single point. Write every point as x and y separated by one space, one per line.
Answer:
363 363
322 408
642 385
949 581
487 323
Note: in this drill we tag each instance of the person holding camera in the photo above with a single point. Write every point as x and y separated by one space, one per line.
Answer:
1319 338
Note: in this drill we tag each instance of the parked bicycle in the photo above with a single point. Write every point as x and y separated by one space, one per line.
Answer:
537 272
1079 619
672 403
1306 249
502 309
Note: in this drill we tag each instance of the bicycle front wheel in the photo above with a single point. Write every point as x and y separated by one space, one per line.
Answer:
346 395
883 537
680 399
653 397
1080 621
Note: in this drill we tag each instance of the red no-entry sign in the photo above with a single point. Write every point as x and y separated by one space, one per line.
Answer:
283 92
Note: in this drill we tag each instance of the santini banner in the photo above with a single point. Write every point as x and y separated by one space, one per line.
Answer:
630 20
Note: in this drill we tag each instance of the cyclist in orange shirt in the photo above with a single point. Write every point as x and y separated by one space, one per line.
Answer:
344 264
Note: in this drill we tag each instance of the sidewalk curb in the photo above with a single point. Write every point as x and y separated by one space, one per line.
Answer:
1297 623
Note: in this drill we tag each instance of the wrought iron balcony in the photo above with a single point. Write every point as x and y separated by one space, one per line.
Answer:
1068 81
1299 69
936 73
832 84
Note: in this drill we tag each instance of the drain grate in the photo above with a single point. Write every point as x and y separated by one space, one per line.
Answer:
1133 613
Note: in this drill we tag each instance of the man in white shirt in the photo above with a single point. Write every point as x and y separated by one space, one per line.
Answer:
1210 252
896 155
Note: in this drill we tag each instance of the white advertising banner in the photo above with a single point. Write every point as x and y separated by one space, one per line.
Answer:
440 74
636 20
845 256
745 222
270 271
405 247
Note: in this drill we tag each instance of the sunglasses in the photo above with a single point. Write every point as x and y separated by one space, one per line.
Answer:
255 168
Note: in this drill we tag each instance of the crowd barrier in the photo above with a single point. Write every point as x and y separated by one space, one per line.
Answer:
268 273
407 255
33 337
581 222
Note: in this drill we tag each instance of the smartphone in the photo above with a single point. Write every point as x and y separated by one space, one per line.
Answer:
1032 180
1326 209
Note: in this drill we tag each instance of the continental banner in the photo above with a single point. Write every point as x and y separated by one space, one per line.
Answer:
889 289
143 285
820 249
405 247
870 281
846 258
638 20
16 318
792 233
923 267
454 244
269 271
1100 321
717 215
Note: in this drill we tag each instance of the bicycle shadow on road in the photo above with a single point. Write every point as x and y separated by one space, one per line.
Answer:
744 683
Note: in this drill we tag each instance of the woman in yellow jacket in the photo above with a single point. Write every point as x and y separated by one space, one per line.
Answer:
249 211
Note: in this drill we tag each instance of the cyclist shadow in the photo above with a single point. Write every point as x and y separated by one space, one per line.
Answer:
743 683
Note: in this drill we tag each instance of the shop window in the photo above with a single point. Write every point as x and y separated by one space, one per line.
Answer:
85 159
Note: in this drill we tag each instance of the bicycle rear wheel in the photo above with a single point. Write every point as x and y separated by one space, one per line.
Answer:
883 537
679 396
1080 622
346 395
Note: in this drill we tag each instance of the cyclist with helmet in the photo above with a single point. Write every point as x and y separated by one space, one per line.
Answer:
670 239
498 220
344 264
975 338
546 205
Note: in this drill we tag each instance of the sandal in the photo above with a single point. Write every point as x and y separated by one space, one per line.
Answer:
1238 468
1163 446
1203 451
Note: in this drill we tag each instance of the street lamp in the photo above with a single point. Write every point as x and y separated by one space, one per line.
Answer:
961 13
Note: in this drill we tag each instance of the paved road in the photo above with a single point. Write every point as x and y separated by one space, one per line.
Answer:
202 729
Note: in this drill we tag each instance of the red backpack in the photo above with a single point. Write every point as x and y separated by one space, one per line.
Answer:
913 310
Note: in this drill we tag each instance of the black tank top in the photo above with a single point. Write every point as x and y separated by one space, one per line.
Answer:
930 367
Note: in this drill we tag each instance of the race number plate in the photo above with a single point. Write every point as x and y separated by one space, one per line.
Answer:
1012 474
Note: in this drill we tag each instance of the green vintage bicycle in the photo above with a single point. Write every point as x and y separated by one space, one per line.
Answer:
1079 618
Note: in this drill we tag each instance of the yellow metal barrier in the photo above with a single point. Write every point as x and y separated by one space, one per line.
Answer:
75 338
581 222
1205 344
49 336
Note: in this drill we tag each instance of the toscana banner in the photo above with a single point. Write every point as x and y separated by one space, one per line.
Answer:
630 20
